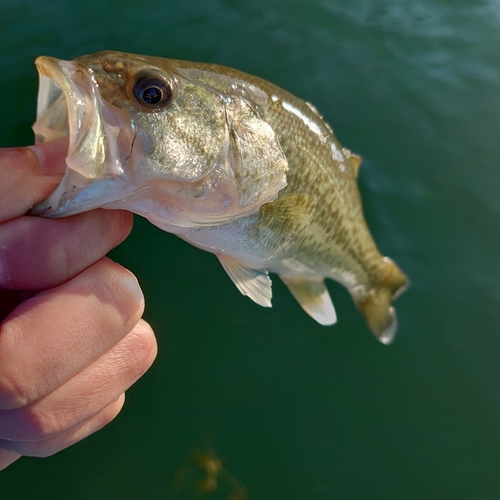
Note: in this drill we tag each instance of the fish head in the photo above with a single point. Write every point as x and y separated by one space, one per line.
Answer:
183 144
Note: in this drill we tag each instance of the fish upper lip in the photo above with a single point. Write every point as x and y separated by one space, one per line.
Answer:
69 103
57 112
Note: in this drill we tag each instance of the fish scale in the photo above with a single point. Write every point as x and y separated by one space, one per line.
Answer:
329 189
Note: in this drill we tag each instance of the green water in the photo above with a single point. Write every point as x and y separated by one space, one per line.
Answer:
296 411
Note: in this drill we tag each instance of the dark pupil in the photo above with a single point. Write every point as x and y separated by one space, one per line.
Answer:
152 95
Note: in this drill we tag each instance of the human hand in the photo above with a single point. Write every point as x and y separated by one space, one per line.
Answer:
71 337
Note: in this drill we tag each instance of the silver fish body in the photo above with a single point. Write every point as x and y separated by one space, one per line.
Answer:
227 161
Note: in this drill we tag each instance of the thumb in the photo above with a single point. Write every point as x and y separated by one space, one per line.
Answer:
29 175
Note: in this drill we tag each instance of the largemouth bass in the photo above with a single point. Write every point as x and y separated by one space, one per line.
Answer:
228 162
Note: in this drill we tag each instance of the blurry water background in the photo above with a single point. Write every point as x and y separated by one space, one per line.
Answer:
293 410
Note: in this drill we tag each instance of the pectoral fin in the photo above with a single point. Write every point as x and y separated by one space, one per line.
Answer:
314 298
289 214
286 216
254 283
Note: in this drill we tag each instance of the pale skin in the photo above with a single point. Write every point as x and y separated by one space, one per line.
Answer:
72 340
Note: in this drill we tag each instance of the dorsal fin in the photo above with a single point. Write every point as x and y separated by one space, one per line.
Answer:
314 298
355 162
255 283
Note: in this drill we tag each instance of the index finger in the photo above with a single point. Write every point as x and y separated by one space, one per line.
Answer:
29 175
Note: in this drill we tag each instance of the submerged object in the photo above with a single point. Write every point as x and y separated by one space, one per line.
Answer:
203 475
228 162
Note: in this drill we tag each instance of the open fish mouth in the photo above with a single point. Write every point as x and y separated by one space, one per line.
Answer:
101 137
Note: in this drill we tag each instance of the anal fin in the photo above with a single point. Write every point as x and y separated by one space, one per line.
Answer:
254 283
314 298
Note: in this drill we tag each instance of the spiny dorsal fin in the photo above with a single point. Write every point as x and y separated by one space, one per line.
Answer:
255 283
355 162
314 298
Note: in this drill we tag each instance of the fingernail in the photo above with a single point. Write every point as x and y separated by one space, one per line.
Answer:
132 283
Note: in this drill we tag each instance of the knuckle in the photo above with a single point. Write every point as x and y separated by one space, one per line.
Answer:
39 425
47 447
13 393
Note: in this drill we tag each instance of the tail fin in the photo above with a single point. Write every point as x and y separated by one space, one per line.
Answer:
376 304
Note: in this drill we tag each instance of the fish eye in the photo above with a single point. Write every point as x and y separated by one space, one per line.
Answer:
152 92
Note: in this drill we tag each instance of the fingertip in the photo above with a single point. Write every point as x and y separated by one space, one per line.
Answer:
116 406
144 347
123 221
106 415
7 458
114 227
114 284
131 282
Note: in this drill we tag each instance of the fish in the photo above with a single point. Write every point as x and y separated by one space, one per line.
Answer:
225 160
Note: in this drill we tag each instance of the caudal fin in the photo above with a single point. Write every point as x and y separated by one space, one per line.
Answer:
376 304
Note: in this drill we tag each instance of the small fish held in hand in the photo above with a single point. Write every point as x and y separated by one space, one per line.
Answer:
228 162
